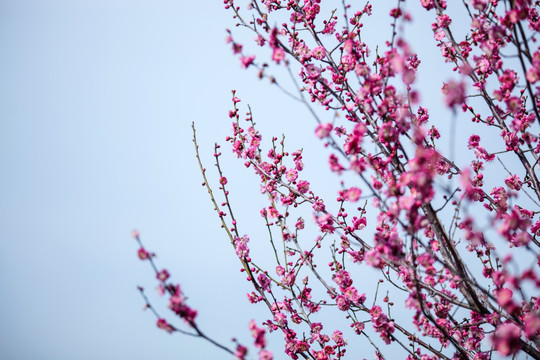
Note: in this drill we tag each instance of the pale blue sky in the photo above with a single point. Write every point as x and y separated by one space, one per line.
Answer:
96 102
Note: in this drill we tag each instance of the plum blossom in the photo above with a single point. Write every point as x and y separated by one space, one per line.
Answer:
506 339
454 93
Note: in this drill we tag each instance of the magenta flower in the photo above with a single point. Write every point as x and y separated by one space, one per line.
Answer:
247 60
266 355
258 335
291 175
319 52
242 249
302 186
506 339
323 130
164 325
143 254
241 352
163 275
454 93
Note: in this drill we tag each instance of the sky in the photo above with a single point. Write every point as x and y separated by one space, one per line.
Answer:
97 98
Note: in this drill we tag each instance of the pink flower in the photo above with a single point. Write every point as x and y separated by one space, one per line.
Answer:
334 164
253 298
428 4
272 212
163 275
358 327
143 254
280 318
326 223
318 205
323 130
259 40
264 281
532 325
342 303
373 258
266 355
381 324
241 352
242 249
291 175
162 324
454 93
247 60
312 71
343 279
353 194
289 278
506 339
258 335
319 52
278 55
479 5
513 182
338 338
535 229
302 186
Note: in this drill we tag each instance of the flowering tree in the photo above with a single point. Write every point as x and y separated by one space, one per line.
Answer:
454 237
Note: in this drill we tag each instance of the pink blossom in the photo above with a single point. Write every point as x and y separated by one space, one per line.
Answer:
278 55
164 325
247 60
535 229
302 186
323 130
312 71
241 352
242 249
266 355
480 5
506 339
289 278
163 275
353 194
280 318
143 254
381 324
334 164
531 322
358 327
337 336
342 303
326 223
513 182
454 93
291 175
258 335
319 52
259 40
299 224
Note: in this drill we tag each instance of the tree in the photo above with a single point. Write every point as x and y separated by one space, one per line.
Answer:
452 235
